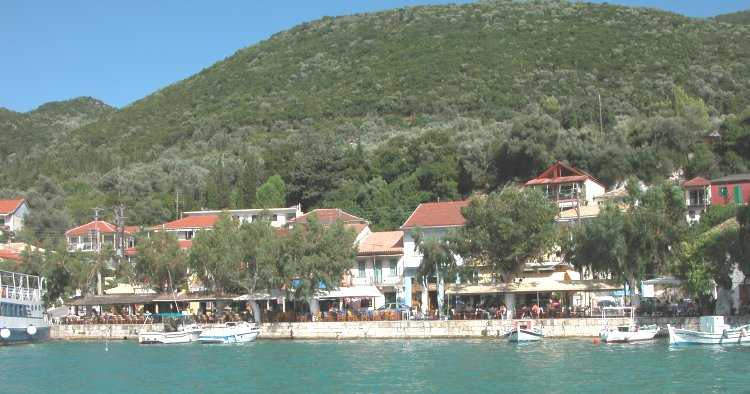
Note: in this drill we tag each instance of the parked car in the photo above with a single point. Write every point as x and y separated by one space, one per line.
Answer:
395 307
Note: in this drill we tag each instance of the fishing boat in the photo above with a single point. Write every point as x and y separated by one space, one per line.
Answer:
177 328
630 332
22 316
524 331
230 332
712 331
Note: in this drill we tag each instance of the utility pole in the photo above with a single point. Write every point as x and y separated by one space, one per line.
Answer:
96 246
120 224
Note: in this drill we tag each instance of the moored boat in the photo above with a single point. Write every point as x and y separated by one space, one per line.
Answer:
22 308
524 331
178 328
712 331
630 332
230 332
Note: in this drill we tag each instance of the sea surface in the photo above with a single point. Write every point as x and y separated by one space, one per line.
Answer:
373 366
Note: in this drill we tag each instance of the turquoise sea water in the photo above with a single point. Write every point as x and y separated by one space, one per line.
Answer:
388 366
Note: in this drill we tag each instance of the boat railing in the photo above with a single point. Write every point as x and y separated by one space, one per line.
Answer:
20 293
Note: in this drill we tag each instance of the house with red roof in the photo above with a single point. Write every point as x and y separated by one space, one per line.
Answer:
568 187
697 197
187 227
95 235
326 217
379 264
731 189
435 219
12 213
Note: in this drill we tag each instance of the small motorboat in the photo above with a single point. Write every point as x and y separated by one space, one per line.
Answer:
178 328
524 331
624 333
712 331
629 333
230 332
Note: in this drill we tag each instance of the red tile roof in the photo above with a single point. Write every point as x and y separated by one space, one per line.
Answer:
561 173
328 216
103 227
382 242
697 182
437 214
9 206
10 255
187 222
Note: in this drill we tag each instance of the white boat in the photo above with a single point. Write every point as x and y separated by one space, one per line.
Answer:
230 332
630 332
22 309
712 331
178 328
523 331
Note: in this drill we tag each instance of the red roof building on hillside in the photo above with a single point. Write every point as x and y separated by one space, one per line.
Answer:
94 235
437 214
567 186
328 216
187 227
12 213
697 198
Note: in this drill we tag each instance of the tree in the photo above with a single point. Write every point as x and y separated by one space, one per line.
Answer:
438 261
258 250
271 194
214 257
710 258
160 262
504 231
316 257
626 245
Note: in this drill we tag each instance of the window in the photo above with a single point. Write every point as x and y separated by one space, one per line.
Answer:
697 197
723 191
566 191
692 214
394 265
275 218
361 270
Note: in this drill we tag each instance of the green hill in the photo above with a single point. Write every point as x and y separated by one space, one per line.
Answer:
377 112
738 18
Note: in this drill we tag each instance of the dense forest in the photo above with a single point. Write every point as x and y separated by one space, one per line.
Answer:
375 113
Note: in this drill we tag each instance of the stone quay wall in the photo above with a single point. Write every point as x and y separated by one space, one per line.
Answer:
412 329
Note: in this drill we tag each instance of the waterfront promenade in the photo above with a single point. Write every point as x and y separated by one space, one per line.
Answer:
413 329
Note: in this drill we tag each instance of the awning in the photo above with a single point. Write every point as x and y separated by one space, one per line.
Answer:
528 286
264 295
663 281
352 292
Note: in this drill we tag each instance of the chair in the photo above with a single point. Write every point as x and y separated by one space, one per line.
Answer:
350 316
302 318
328 316
318 316
376 316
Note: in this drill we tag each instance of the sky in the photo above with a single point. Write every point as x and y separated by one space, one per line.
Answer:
122 51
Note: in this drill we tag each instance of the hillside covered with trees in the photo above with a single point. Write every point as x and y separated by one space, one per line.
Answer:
375 113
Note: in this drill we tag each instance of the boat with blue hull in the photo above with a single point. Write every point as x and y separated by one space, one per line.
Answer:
22 317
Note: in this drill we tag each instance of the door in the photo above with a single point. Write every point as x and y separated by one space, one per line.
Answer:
378 271
738 194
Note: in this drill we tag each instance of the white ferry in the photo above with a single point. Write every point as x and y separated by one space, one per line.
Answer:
22 308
